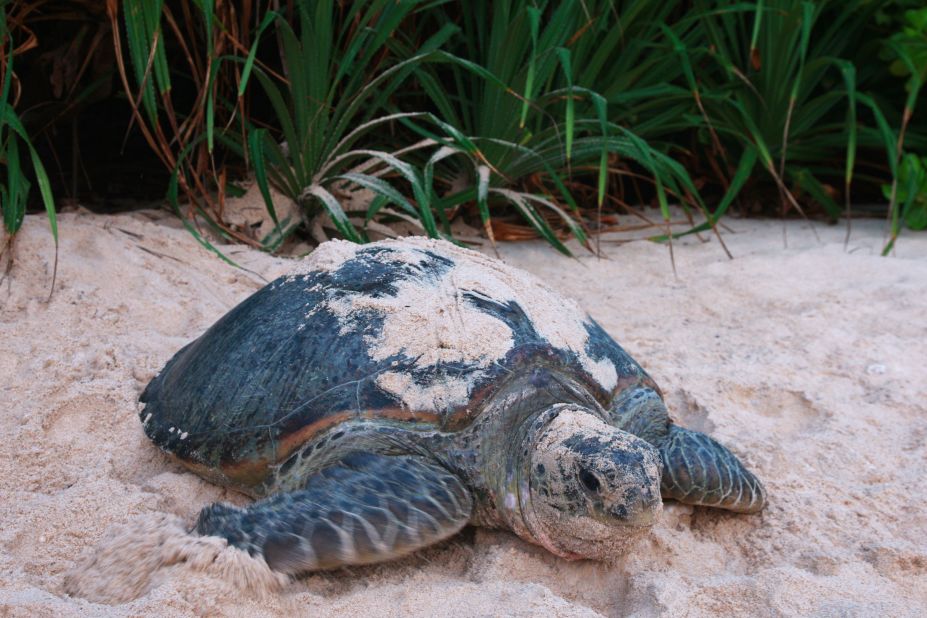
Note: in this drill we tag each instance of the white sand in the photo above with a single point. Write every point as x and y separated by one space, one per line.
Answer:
810 361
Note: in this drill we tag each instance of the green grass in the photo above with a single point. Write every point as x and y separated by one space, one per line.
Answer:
908 189
519 80
332 100
15 142
779 84
547 112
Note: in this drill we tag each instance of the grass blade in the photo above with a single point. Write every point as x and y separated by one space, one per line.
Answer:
564 55
335 211
380 187
520 201
256 148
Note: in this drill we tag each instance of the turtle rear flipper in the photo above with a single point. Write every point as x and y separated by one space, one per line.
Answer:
366 508
699 470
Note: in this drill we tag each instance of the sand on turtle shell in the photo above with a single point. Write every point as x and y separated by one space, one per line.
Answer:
807 360
429 319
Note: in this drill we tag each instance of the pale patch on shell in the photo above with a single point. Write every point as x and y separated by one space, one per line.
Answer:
437 396
557 319
429 319
603 371
327 257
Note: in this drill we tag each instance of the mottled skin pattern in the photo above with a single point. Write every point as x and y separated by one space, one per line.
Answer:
279 399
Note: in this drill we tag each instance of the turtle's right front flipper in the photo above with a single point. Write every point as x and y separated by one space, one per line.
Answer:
696 468
366 508
699 470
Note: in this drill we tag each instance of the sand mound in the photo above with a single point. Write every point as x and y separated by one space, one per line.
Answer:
131 559
807 360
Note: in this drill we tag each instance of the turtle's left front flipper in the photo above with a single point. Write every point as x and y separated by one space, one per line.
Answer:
366 508
699 470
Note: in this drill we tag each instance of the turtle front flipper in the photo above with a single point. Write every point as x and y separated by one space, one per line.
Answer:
699 470
366 508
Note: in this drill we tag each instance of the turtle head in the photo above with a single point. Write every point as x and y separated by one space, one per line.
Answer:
585 488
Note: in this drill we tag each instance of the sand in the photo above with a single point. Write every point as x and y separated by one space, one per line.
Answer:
808 360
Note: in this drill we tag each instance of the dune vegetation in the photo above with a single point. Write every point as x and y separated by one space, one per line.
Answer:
522 118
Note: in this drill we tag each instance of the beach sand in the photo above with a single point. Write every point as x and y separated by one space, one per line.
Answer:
809 360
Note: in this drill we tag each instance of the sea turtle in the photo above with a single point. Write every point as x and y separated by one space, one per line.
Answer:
383 396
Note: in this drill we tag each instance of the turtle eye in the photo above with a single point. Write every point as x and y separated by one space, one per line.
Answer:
589 480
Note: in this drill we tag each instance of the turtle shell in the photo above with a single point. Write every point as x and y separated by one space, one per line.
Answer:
416 331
